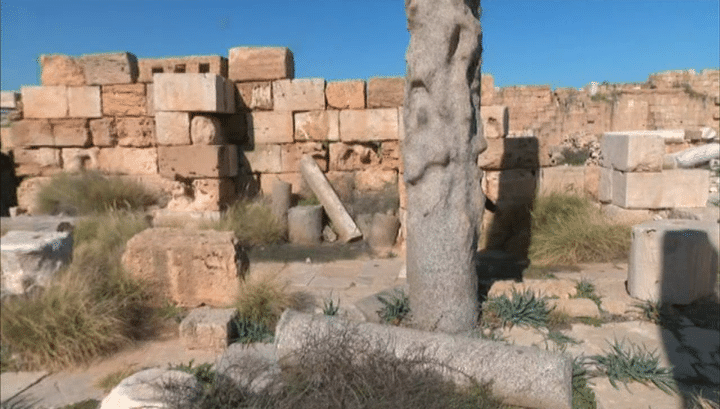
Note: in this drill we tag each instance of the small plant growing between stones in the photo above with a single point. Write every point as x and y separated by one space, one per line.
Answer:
586 289
595 322
248 331
329 307
111 380
395 309
583 397
560 340
523 309
633 364
659 314
203 372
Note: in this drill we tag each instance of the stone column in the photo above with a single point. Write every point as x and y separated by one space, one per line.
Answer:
442 143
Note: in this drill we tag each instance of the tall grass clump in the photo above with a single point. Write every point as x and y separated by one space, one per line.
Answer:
252 222
262 299
91 309
568 229
91 192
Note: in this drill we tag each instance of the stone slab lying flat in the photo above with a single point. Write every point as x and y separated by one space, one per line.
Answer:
12 383
207 328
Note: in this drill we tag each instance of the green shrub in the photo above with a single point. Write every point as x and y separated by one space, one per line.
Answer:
248 331
567 229
395 309
520 309
252 222
91 192
330 308
586 289
583 397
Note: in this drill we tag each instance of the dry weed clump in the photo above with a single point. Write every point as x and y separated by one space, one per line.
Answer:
252 222
263 297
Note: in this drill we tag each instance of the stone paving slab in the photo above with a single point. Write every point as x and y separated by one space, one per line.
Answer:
12 383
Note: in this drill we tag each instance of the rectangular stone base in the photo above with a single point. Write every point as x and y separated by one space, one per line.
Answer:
662 190
207 328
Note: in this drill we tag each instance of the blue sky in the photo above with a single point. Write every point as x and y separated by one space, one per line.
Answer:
561 43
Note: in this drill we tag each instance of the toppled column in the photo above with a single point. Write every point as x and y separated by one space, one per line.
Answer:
443 138
523 376
346 227
692 157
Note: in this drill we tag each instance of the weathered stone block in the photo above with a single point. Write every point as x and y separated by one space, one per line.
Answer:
130 161
662 190
495 119
264 158
37 162
196 64
204 195
61 70
9 100
172 128
369 125
292 153
592 181
350 157
669 136
345 94
150 99
103 131
198 161
45 102
137 132
374 180
30 132
31 259
385 92
206 130
27 192
317 126
260 63
512 185
632 153
6 144
673 261
390 156
111 68
84 102
193 93
187 267
510 153
79 159
254 95
401 125
270 127
208 328
71 132
295 180
305 94
562 179
124 100
605 188
576 307
562 288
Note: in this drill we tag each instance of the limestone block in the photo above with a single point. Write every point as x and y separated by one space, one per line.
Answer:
383 231
103 131
605 191
254 95
138 132
662 190
197 64
265 158
317 126
204 195
295 179
172 128
27 193
352 157
401 124
576 307
669 136
305 224
390 156
562 179
208 328
206 130
6 144
124 100
61 70
592 181
292 153
511 185
626 216
632 153
78 159
188 267
144 389
562 288
37 162
84 102
487 89
673 261
260 63
198 161
45 102
31 259
385 92
374 180
150 99
495 119
30 132
345 94
510 153
9 100
305 94
71 132
110 68
193 93
270 127
402 192
129 161
369 125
